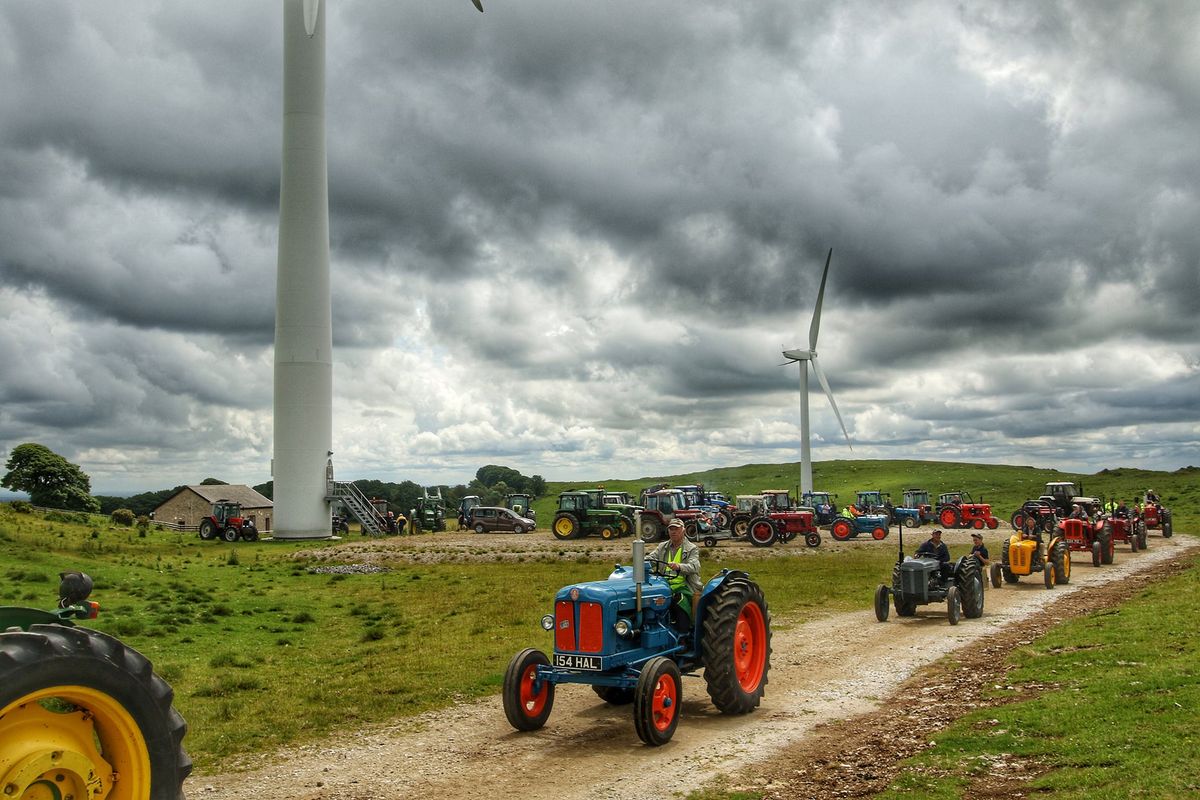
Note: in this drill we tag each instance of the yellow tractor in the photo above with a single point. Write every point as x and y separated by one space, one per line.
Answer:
1025 553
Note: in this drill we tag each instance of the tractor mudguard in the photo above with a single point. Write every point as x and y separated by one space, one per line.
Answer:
958 565
715 583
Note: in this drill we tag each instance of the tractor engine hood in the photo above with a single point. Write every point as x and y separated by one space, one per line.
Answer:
618 590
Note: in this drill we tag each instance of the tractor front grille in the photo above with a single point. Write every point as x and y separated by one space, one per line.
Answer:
578 627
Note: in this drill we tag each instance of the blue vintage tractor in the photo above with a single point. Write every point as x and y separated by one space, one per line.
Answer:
823 504
626 639
917 500
82 714
844 528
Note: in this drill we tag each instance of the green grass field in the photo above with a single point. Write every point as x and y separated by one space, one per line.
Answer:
263 652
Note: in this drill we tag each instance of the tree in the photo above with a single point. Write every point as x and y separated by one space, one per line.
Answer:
49 479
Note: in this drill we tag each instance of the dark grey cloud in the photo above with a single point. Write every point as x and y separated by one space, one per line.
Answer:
578 235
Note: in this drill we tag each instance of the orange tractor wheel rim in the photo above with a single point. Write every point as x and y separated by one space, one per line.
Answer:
663 704
532 701
749 647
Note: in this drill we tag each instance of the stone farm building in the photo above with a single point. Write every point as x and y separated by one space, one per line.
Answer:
193 503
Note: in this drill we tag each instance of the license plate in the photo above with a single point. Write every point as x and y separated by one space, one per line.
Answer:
577 662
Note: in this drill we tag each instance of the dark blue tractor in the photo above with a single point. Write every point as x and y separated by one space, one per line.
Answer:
844 528
626 639
823 504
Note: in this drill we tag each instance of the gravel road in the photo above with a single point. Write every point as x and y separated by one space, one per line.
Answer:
822 671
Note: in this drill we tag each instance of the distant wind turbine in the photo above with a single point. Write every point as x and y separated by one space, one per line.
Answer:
804 358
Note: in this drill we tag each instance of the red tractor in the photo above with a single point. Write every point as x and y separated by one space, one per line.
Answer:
1155 515
660 506
1034 515
1085 536
958 510
1124 528
227 522
781 521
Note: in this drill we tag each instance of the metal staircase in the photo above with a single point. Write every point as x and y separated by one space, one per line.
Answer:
357 504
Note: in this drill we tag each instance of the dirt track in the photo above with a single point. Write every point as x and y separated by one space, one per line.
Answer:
821 672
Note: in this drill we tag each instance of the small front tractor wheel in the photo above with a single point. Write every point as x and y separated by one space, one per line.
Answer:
736 646
992 523
608 532
1048 575
1141 534
709 541
565 526
1167 528
656 701
911 522
527 704
614 695
879 534
78 709
1060 557
230 534
208 530
979 524
882 602
740 526
1133 543
953 605
841 529
812 539
1096 559
761 532
994 573
624 526
249 533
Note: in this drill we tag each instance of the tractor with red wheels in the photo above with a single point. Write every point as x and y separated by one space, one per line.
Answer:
780 521
1084 535
82 714
227 522
844 528
1039 515
1124 528
1156 516
632 643
958 510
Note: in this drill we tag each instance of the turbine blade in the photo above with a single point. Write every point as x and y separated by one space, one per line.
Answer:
832 402
816 320
478 4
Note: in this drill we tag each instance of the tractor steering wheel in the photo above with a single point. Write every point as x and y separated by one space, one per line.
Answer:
658 567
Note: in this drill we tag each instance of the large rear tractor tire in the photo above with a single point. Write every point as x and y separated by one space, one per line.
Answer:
1106 546
650 531
527 707
1168 529
565 526
78 710
736 646
842 529
208 530
881 602
905 606
656 701
969 582
761 532
1096 558
950 517
1060 558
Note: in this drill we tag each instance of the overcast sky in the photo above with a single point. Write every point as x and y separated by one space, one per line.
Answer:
573 238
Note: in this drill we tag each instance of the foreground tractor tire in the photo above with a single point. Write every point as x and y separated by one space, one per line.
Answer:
656 700
527 709
614 695
905 606
1106 547
882 602
737 646
1060 559
208 530
953 605
77 710
1141 535
565 526
969 582
761 532
1096 559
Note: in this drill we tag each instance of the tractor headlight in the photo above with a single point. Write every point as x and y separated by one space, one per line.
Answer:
548 622
622 628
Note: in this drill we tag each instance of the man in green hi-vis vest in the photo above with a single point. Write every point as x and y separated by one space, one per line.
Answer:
681 560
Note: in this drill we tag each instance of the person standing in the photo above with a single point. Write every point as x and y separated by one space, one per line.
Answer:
979 550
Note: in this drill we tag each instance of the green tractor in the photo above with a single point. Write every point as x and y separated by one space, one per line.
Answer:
579 515
81 714
430 513
618 503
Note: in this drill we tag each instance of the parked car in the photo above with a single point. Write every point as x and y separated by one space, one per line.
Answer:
491 519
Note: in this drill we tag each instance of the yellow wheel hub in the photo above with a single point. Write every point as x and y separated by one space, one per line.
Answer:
71 742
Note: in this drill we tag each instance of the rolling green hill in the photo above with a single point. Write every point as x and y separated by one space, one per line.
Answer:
1005 487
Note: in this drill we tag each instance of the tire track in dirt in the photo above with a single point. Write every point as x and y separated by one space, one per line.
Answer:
822 672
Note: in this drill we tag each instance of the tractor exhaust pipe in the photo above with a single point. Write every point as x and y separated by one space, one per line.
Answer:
639 575
900 558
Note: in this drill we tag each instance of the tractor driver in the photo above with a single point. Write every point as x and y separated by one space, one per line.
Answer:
934 547
682 563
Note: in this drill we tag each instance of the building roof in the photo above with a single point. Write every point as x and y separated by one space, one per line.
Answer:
247 497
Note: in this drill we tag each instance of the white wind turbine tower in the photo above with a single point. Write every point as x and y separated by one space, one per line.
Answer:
806 357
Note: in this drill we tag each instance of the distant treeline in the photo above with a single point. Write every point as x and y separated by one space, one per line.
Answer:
491 483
